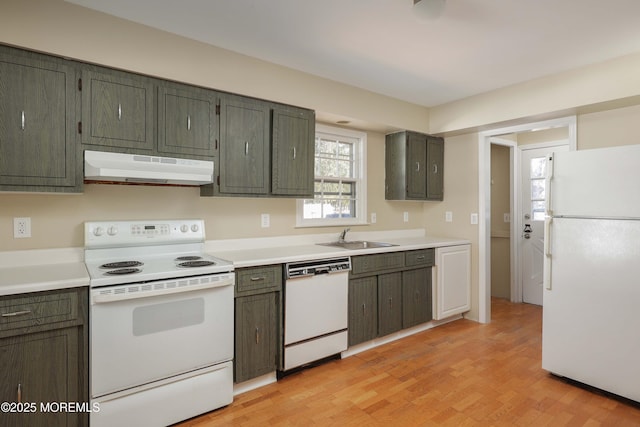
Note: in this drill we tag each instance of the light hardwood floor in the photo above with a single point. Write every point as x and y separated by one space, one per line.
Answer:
459 374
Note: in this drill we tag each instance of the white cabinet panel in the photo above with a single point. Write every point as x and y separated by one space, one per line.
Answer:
452 285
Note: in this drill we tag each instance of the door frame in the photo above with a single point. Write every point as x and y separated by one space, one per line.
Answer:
484 204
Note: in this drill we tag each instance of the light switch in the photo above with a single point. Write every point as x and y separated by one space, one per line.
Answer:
474 218
265 220
448 216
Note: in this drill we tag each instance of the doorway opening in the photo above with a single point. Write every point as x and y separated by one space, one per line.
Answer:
507 137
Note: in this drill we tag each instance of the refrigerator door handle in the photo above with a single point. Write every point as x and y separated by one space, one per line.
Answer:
548 177
547 253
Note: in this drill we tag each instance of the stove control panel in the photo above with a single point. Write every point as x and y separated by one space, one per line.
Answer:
124 233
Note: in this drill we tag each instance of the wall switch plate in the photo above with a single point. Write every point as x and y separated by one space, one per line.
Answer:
265 220
21 228
448 216
405 217
507 217
474 218
373 218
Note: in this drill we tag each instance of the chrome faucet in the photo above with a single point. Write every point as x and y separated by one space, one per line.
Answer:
343 235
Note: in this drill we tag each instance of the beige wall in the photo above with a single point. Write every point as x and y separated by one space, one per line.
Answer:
609 128
500 230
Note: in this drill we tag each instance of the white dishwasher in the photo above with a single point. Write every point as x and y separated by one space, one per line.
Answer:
315 310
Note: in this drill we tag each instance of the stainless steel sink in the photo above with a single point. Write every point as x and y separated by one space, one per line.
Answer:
358 244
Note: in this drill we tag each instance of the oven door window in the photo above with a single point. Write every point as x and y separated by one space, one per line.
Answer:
154 318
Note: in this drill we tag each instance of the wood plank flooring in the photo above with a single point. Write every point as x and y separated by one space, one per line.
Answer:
459 374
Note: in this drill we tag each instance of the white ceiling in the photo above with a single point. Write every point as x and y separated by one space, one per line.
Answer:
380 45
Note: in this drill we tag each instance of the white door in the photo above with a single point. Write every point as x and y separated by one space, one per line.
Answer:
531 237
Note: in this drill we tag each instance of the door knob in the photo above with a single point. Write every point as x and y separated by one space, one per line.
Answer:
527 236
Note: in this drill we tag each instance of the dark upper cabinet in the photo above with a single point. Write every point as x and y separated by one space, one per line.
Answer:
414 166
37 114
187 121
293 152
118 110
244 146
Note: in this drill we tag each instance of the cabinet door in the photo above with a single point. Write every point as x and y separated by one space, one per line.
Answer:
293 139
244 146
435 166
117 110
416 163
37 110
363 310
187 121
389 303
256 328
416 297
44 369
453 290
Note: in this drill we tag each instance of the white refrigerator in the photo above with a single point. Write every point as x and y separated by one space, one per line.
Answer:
591 303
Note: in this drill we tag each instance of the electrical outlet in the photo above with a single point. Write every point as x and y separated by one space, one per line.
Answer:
265 220
474 218
448 216
507 217
405 217
373 218
21 228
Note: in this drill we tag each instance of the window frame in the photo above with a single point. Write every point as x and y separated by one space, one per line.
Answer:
360 181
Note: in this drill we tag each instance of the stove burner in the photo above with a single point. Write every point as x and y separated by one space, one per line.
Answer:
120 271
122 264
188 258
202 263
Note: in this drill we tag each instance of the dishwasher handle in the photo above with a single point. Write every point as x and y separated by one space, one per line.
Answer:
314 268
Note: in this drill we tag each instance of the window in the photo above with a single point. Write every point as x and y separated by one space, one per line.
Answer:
339 187
538 193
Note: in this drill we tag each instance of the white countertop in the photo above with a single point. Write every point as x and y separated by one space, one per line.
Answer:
22 271
278 254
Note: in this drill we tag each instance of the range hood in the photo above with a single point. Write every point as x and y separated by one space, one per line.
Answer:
142 169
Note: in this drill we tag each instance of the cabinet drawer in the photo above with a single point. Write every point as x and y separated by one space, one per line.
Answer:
257 280
371 263
422 257
38 309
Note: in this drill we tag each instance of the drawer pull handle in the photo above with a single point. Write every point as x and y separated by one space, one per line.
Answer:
16 313
257 279
421 257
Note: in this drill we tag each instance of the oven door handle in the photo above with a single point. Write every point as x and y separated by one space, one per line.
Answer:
129 292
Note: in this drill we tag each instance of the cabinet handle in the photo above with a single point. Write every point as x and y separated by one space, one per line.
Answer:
417 295
417 166
435 168
188 122
256 279
119 111
246 148
390 302
22 120
421 257
19 393
16 313
294 153
257 335
364 307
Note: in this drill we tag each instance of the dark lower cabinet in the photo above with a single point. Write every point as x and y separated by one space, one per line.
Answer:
389 292
390 303
258 321
363 309
416 297
43 355
256 332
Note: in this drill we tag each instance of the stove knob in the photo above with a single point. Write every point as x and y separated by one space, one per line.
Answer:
195 228
184 228
112 231
98 231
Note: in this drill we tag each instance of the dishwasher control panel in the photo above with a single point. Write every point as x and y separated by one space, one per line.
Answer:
323 266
